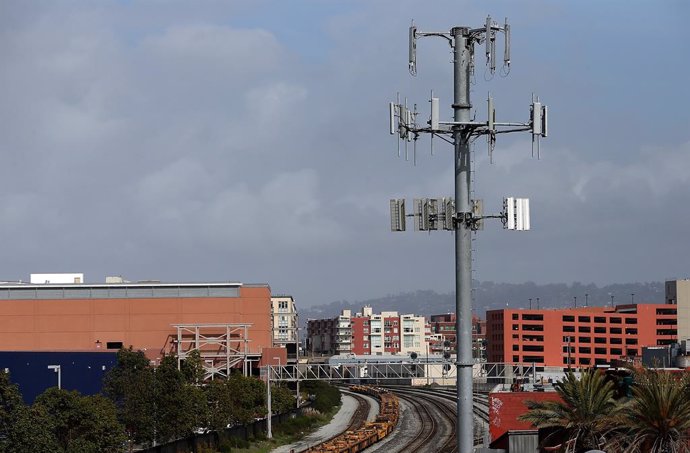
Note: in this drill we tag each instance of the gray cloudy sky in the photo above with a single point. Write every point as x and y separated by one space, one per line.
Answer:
247 141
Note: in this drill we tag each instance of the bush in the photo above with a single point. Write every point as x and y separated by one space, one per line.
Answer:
326 397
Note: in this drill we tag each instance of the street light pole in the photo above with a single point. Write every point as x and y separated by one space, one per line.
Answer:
57 369
269 431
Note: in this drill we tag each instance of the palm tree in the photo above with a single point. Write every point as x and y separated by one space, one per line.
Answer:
657 418
583 415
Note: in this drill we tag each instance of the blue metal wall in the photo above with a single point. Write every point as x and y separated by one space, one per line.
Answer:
81 371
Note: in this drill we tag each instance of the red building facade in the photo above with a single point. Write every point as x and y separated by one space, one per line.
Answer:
578 337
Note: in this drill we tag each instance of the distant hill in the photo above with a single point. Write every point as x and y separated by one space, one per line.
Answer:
490 296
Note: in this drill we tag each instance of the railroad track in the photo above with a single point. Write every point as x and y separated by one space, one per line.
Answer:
428 428
480 402
359 417
430 437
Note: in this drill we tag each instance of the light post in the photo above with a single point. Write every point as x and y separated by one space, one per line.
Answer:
530 303
269 418
586 299
269 431
537 303
426 371
632 298
58 370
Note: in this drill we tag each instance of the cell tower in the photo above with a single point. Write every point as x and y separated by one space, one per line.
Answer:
461 214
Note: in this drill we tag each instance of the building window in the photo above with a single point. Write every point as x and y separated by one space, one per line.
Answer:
583 318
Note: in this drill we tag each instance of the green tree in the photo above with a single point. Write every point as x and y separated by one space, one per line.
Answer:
235 401
81 423
657 418
325 396
193 368
130 386
220 404
582 417
22 429
31 432
282 399
180 406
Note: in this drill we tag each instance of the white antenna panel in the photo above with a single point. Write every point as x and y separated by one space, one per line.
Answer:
434 114
524 214
491 112
391 113
517 213
536 118
398 215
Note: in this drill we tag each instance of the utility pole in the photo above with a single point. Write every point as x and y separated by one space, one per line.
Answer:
462 215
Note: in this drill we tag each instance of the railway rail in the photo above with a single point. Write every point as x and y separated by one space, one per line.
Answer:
480 401
434 432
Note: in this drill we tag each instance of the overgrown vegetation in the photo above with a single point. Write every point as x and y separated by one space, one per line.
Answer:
325 396
142 405
655 419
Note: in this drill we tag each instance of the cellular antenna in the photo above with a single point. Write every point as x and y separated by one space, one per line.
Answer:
506 44
461 214
412 64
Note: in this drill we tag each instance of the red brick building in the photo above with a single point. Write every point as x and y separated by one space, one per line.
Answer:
443 326
585 337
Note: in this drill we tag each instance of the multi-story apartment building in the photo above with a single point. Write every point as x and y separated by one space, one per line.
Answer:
578 337
367 333
284 326
443 329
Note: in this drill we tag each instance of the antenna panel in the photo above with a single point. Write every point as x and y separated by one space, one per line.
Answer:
519 225
491 113
449 213
509 207
544 121
409 123
421 219
487 38
536 118
391 113
524 214
478 213
413 50
434 114
506 50
432 213
397 214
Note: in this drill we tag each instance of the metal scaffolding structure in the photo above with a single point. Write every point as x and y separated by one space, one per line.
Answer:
221 347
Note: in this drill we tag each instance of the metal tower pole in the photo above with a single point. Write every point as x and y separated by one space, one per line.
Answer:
463 239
